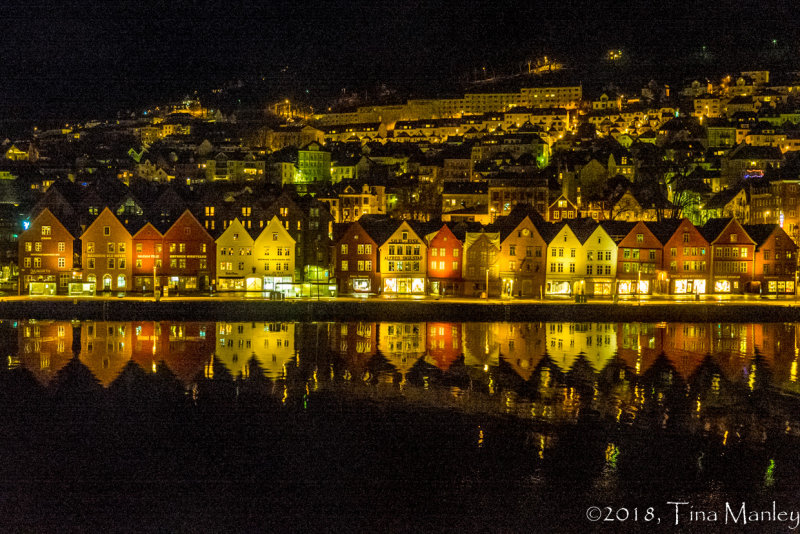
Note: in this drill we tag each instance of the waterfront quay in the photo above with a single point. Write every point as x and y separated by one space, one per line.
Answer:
424 309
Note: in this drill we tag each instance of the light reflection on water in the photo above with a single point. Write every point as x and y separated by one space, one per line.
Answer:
532 370
597 406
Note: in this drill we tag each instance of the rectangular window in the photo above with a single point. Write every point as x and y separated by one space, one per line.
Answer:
360 265
512 250
589 270
62 262
368 265
38 246
455 252
138 264
182 263
344 265
106 230
110 263
61 246
37 263
640 238
111 247
46 230
121 263
344 249
120 247
455 265
368 249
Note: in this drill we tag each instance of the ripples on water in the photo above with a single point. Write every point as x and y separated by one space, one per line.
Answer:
568 414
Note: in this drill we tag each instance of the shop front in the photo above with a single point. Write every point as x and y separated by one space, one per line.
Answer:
445 287
282 284
231 284
360 285
81 289
404 286
182 283
780 287
726 286
600 287
634 287
555 288
690 286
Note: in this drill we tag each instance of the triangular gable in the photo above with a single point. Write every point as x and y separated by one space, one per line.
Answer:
148 231
235 227
186 218
274 225
46 217
103 218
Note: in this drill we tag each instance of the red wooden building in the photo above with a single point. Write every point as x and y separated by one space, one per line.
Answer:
775 260
45 257
189 255
687 261
733 256
357 263
445 262
148 245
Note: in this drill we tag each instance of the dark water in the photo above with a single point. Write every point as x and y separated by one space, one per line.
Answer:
398 426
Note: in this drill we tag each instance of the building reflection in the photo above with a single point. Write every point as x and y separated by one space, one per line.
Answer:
44 347
271 344
539 369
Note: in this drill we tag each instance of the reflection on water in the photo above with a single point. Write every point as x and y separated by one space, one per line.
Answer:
512 362
590 413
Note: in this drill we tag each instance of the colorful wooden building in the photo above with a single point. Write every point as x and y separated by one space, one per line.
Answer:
45 257
446 261
148 254
107 254
235 267
190 255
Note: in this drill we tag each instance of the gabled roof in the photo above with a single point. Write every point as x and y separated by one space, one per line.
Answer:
106 211
721 199
148 231
380 228
617 230
664 230
750 152
714 227
759 232
507 224
582 228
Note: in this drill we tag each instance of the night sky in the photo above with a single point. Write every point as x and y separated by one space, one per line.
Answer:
73 60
